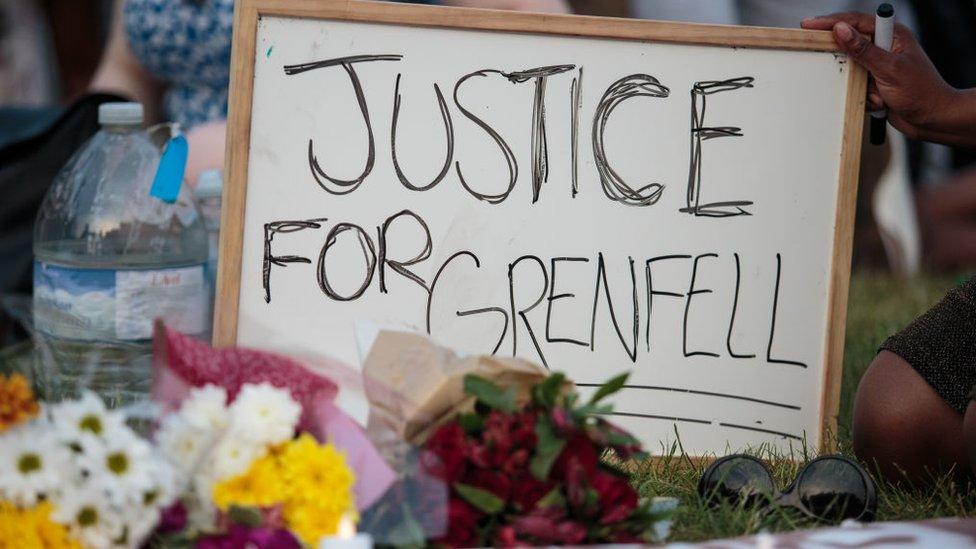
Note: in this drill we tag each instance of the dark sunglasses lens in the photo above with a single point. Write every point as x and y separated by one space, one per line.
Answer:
833 489
736 479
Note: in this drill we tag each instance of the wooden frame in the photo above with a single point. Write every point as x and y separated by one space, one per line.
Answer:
247 13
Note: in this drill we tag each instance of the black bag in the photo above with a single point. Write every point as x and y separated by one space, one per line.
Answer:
29 160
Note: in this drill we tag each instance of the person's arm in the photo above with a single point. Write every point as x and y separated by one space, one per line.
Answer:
920 103
546 6
120 72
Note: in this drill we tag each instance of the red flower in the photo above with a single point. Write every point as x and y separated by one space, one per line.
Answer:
578 449
577 485
478 454
507 537
529 490
549 527
462 526
618 499
444 455
562 422
570 533
524 434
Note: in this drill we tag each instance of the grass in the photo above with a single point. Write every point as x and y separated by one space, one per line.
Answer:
878 306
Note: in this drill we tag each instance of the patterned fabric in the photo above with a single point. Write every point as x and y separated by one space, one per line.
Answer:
186 45
941 346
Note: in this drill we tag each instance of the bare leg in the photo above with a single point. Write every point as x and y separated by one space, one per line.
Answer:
904 427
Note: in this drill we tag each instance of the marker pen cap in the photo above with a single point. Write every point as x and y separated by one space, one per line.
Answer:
884 27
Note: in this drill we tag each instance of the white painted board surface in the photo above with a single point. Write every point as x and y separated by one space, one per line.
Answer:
693 296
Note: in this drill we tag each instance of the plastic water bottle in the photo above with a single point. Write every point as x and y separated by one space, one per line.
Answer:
110 258
208 192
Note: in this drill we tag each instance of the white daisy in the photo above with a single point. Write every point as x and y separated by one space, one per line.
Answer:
183 445
233 456
206 408
140 526
122 466
89 517
140 512
87 415
264 414
164 489
31 462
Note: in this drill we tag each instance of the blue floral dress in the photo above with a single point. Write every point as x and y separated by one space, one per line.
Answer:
185 44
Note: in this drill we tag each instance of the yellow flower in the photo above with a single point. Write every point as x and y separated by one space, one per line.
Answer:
318 486
310 481
17 402
260 486
32 528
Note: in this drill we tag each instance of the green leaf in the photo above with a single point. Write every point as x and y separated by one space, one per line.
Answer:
618 438
245 516
593 410
547 449
610 387
547 391
471 423
490 394
482 499
554 498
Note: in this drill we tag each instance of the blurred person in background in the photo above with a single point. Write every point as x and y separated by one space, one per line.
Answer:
173 56
26 78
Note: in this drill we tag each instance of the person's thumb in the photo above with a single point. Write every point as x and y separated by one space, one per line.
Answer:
860 48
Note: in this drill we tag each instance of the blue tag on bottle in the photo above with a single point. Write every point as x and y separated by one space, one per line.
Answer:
169 175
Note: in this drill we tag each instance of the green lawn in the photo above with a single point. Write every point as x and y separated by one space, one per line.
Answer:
878 306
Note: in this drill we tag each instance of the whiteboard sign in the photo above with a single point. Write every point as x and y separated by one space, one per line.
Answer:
593 204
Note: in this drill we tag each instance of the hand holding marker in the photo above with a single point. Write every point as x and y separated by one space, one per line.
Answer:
884 27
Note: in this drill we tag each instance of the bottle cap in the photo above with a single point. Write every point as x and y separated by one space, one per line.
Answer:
128 114
209 184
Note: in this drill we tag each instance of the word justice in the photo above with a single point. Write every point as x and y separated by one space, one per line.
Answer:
530 271
613 184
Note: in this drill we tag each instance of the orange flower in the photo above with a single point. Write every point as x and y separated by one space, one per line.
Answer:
17 402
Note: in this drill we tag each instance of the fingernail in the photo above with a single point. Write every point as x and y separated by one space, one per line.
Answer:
844 31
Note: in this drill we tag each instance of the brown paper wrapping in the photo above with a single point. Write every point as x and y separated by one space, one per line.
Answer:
413 385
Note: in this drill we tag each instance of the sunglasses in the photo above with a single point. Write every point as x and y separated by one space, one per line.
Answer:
830 488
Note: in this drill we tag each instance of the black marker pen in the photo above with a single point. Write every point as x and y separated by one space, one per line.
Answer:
884 27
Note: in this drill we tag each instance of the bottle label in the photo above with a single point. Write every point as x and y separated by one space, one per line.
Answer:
109 304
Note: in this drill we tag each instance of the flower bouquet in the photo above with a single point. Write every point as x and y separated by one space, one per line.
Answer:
73 474
504 454
532 474
247 479
248 450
